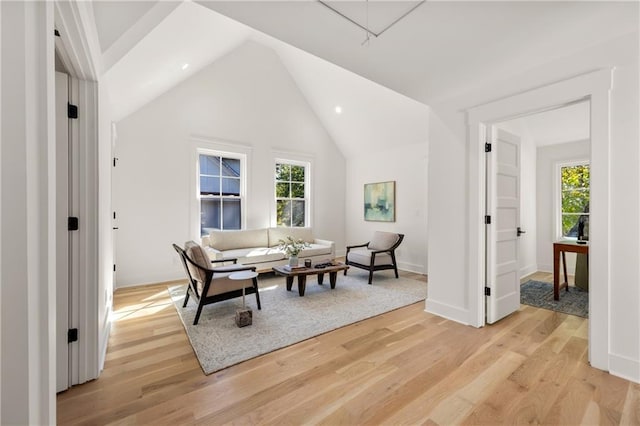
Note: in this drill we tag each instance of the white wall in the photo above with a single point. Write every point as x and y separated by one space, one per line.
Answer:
527 262
448 293
246 98
548 158
28 216
407 166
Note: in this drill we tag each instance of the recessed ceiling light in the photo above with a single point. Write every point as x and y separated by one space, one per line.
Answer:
338 109
185 66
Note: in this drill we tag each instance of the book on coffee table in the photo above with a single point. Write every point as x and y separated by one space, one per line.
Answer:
294 268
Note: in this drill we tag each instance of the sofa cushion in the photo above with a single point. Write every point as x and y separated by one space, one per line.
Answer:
229 240
197 254
363 257
255 255
314 250
281 233
383 240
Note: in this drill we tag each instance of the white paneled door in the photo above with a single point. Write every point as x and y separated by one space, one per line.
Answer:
503 207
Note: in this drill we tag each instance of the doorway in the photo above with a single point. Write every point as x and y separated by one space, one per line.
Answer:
594 87
552 190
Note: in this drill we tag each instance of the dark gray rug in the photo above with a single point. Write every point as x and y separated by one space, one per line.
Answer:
540 295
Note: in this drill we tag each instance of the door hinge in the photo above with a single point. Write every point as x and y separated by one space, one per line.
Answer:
114 215
114 267
56 33
72 224
72 111
115 159
487 291
72 335
487 220
487 147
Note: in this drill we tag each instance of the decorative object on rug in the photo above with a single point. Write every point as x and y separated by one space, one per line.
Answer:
292 247
243 316
380 201
540 295
289 319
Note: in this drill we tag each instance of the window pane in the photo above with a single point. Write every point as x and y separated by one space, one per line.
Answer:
283 212
231 214
230 186
283 172
570 225
209 185
230 167
575 177
297 174
209 216
297 213
282 190
209 165
297 190
575 201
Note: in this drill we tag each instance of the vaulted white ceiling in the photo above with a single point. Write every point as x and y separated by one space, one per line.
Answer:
439 50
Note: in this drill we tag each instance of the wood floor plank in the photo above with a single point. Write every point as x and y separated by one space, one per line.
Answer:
402 367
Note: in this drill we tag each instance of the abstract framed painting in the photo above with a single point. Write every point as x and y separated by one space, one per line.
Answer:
380 201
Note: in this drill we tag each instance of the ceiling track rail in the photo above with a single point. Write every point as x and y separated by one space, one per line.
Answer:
378 34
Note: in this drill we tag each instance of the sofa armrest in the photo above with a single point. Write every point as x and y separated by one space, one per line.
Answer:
327 243
214 255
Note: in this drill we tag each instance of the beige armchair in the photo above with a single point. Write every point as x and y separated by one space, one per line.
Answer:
376 255
209 285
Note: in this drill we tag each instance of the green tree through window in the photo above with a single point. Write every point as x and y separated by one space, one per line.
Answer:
291 194
574 198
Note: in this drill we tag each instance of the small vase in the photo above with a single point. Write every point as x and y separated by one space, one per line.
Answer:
293 261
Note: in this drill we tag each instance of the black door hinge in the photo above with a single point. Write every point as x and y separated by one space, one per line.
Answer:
72 224
114 267
72 335
115 159
56 33
72 111
487 220
487 291
487 147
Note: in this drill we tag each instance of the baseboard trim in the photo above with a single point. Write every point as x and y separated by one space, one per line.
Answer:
545 268
624 367
528 270
411 267
449 312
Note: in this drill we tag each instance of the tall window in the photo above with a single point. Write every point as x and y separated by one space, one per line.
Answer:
291 194
220 192
574 200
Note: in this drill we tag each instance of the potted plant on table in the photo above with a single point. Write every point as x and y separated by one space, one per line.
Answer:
292 248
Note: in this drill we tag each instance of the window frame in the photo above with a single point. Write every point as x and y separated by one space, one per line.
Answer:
558 195
307 164
205 146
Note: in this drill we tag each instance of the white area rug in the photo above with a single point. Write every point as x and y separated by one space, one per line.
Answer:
286 318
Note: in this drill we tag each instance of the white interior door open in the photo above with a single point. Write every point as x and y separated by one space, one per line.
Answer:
62 233
503 208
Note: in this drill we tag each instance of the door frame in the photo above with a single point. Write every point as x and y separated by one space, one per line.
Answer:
593 86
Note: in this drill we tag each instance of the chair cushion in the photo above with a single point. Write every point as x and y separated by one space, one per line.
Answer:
363 257
222 284
383 240
197 254
282 232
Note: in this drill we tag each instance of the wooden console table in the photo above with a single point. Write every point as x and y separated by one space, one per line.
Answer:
560 247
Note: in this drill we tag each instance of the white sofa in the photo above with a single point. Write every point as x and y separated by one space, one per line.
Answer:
259 247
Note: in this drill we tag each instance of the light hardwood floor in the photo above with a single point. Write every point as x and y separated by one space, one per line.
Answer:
403 367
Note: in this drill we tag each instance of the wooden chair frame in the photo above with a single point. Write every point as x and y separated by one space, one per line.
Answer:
372 266
200 297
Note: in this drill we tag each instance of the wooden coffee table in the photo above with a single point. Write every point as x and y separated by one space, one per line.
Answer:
304 272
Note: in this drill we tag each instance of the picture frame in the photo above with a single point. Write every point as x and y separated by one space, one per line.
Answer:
380 201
